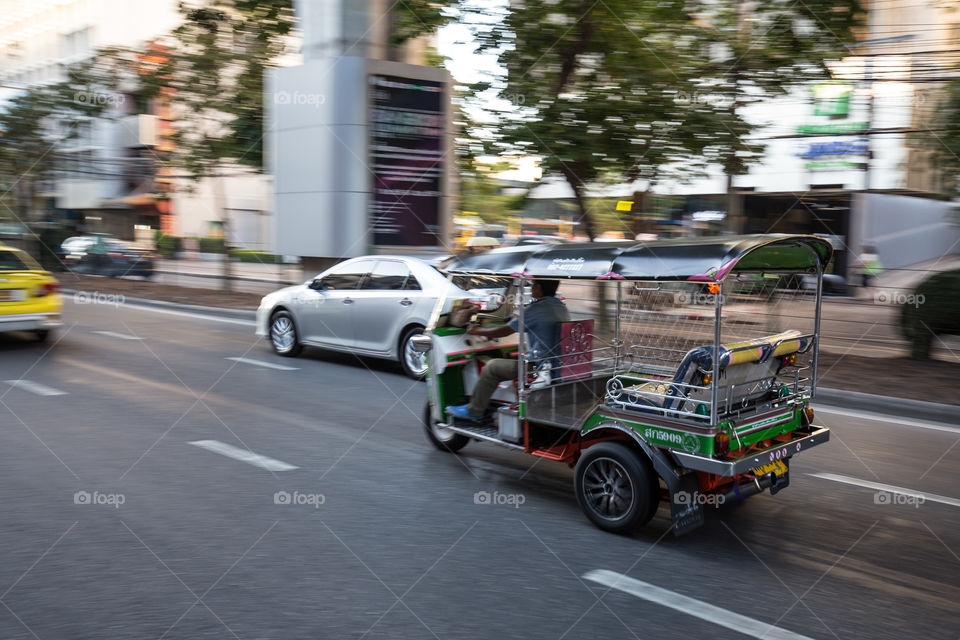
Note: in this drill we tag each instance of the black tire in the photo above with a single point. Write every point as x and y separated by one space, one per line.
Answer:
442 439
281 327
403 351
616 487
42 335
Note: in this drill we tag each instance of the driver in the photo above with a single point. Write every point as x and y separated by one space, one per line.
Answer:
542 318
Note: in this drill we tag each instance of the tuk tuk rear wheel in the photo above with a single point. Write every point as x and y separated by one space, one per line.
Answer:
442 438
616 487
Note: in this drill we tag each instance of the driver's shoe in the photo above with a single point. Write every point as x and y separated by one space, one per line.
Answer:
462 412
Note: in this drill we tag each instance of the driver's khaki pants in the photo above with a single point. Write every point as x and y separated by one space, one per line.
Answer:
494 372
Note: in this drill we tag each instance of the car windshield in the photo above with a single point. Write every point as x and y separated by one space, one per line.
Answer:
16 261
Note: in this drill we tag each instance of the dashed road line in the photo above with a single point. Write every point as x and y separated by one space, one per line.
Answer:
889 488
691 606
121 336
243 455
261 363
35 387
882 417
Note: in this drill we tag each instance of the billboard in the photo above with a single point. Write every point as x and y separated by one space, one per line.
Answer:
407 126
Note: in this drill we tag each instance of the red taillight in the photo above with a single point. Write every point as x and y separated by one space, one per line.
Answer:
46 289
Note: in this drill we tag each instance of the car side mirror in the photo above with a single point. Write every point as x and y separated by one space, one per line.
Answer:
317 285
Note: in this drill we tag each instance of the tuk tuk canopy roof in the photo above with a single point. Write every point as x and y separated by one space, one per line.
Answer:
707 259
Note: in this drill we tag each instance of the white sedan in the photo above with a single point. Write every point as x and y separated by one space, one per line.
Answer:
370 306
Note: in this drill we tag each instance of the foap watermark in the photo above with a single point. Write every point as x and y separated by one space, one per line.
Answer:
719 100
890 497
697 298
899 298
299 499
99 98
300 98
97 498
697 498
511 499
96 297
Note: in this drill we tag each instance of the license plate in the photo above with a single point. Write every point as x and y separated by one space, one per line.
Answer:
12 295
777 468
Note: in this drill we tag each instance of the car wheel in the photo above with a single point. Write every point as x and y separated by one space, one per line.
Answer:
414 363
616 487
283 335
441 437
42 335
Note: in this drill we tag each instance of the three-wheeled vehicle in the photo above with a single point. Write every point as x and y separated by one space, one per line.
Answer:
684 374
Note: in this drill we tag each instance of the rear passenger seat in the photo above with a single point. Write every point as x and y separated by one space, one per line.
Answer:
740 362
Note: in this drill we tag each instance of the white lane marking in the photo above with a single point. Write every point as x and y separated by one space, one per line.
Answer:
691 606
932 497
243 455
189 314
261 363
122 336
35 387
880 417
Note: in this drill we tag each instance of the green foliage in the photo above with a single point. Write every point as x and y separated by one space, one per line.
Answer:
480 194
212 245
214 76
933 310
418 17
168 246
622 89
34 122
252 255
944 141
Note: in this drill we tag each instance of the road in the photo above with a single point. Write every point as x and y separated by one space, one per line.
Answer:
123 518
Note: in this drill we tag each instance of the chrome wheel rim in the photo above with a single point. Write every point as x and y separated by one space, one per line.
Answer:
282 333
415 360
608 489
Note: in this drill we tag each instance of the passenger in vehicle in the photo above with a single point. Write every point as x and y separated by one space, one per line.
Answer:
542 319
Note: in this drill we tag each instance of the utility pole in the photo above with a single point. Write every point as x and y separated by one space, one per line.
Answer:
868 82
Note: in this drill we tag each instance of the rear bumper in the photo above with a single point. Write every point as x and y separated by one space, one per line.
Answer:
30 321
812 437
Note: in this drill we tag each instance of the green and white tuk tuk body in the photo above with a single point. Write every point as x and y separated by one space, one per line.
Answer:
632 396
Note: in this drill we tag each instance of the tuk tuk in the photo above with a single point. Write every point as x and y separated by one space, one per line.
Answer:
684 374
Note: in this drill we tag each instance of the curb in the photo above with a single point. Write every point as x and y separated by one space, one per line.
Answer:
901 407
245 314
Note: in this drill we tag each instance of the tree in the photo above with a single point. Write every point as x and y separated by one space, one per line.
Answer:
596 89
212 73
626 89
36 123
944 140
759 50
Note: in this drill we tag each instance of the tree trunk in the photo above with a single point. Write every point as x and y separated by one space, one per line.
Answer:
220 205
577 185
732 222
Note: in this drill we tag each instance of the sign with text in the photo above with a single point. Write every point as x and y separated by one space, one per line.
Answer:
407 125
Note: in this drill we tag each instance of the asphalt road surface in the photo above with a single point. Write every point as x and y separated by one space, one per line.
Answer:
158 481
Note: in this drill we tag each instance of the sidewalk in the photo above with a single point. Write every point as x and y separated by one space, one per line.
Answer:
905 279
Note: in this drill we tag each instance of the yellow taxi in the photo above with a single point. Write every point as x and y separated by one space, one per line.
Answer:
30 297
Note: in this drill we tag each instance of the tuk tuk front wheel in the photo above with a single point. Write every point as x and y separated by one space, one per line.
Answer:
442 438
616 487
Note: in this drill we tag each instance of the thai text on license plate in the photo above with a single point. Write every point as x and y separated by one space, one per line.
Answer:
778 468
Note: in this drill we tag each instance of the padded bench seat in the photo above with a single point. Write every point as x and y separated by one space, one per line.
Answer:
748 361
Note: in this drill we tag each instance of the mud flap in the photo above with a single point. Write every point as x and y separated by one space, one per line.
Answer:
686 514
780 482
